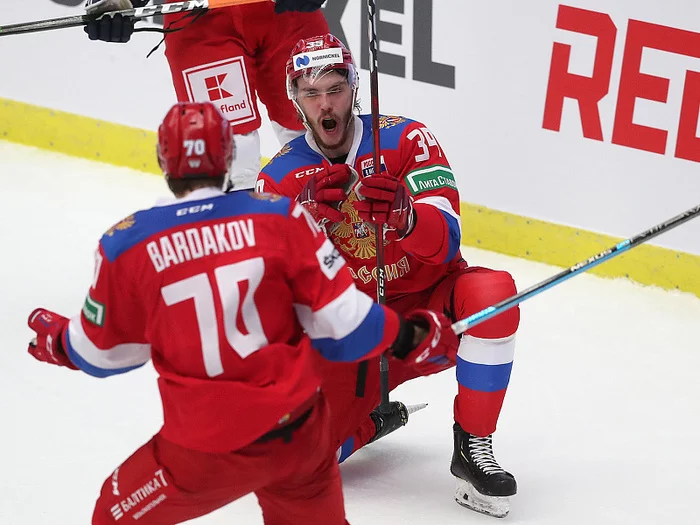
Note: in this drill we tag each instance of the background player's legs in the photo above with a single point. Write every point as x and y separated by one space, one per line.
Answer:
284 31
312 493
213 59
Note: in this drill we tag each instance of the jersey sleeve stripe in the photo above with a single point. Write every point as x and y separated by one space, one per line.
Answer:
338 318
454 224
366 338
347 328
102 363
442 204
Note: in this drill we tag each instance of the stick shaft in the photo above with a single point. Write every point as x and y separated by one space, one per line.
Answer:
138 13
621 247
376 150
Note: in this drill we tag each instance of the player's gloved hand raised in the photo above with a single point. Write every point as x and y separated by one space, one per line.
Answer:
116 28
297 5
384 200
434 345
46 346
326 190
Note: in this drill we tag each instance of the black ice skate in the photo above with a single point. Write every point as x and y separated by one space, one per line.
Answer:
482 485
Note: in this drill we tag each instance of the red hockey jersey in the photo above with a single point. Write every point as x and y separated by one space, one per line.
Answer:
410 153
218 291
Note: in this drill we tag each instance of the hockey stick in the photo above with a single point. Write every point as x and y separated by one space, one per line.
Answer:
376 151
139 12
621 247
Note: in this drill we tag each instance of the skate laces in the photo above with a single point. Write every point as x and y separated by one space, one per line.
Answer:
481 452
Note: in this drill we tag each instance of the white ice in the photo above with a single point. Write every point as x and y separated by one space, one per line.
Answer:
600 424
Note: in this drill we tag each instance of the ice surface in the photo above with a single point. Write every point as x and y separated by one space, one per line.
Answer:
600 424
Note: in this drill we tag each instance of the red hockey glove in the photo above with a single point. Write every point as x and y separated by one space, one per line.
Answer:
438 348
325 191
46 346
385 201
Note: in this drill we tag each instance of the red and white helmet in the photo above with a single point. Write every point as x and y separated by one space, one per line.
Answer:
314 57
195 139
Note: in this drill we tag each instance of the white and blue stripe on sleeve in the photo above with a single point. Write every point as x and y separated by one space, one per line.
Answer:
103 363
345 329
454 224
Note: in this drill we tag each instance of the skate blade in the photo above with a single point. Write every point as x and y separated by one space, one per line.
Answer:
467 496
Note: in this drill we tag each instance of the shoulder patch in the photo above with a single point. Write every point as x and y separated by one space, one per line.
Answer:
389 121
391 128
122 225
271 197
285 149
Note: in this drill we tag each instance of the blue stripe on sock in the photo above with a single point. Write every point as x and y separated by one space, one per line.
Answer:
483 378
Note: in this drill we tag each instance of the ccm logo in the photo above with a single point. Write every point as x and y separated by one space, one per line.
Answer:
194 209
306 173
633 85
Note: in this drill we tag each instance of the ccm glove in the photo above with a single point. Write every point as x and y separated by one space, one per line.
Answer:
305 6
115 28
426 341
384 200
46 346
325 191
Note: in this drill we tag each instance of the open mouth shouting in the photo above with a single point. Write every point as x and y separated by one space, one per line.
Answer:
329 125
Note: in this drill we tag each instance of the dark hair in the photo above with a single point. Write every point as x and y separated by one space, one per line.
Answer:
179 187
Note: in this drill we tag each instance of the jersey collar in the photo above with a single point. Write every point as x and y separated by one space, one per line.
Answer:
198 194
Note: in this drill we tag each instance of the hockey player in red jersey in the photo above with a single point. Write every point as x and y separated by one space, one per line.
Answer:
415 197
227 294
228 56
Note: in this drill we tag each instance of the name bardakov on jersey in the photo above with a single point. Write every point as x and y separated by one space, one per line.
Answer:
195 243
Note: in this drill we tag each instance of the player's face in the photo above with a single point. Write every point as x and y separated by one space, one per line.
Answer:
327 105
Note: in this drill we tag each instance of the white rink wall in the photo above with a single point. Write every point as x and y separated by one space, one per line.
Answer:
478 74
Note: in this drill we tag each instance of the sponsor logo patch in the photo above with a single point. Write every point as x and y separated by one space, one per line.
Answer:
329 259
320 58
367 166
94 311
432 178
225 84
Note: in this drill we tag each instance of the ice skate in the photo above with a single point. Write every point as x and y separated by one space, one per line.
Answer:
482 485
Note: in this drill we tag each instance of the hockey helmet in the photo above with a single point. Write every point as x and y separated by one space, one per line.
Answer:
314 57
195 140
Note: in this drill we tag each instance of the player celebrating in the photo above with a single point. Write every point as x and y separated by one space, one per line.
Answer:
216 288
415 197
227 56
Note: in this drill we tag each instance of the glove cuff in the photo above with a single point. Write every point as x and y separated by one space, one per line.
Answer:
403 345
